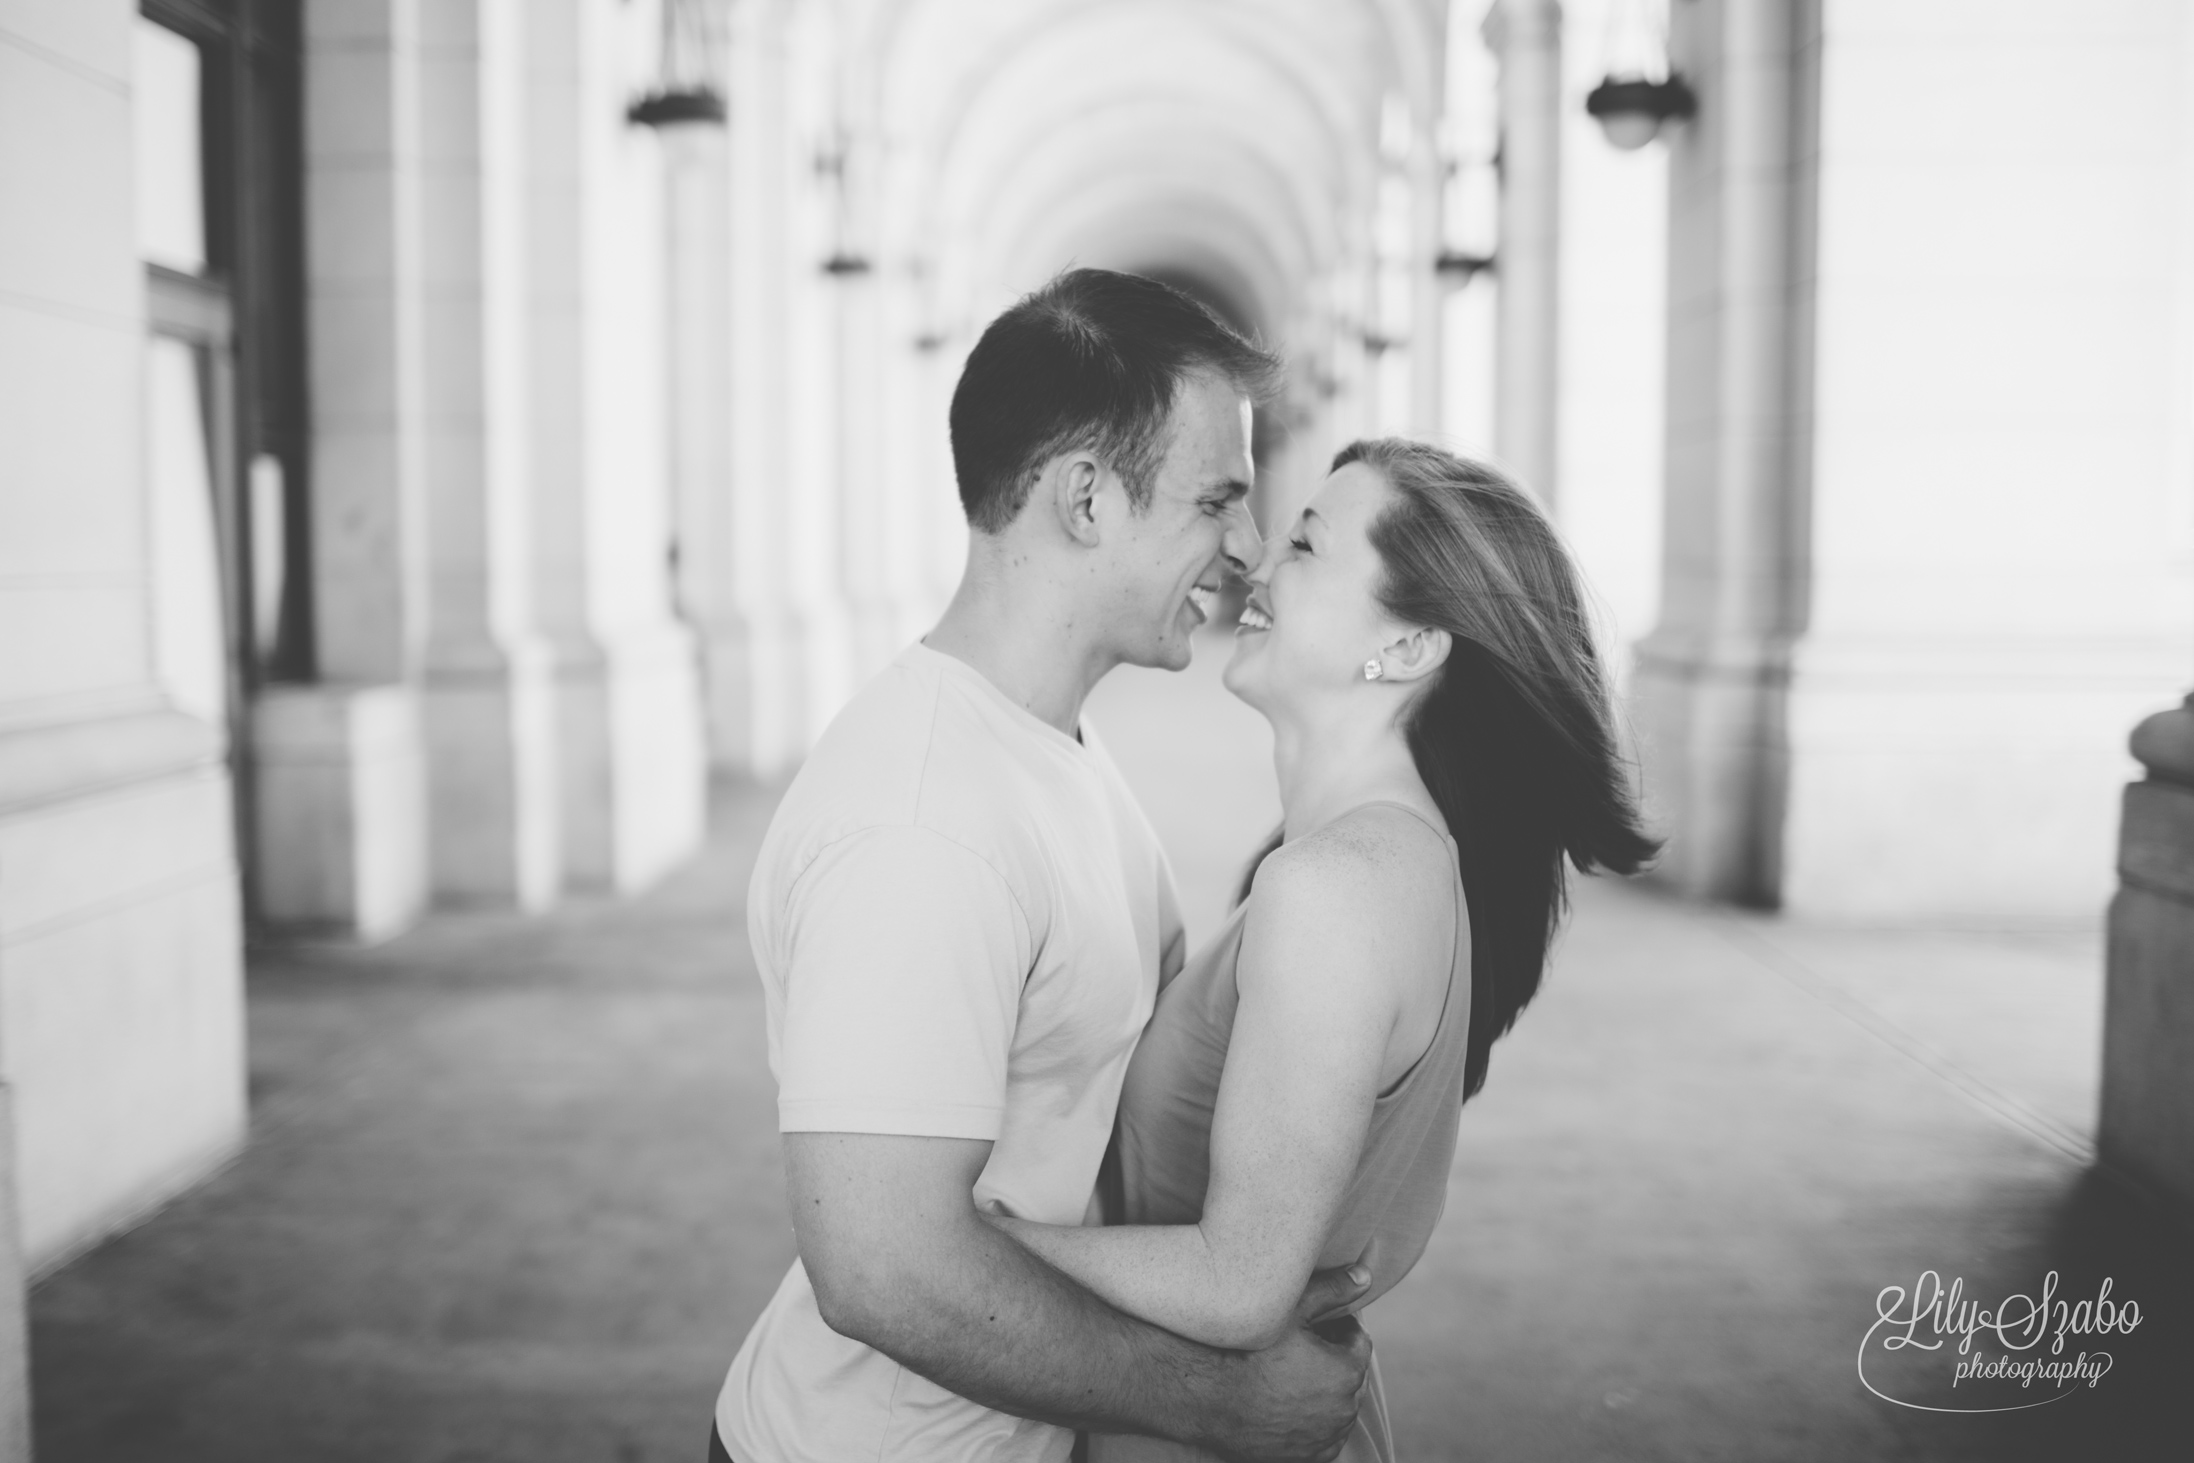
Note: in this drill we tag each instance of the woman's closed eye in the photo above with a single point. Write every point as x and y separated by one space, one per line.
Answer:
1300 544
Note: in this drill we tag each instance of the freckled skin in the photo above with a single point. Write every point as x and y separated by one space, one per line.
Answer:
1185 536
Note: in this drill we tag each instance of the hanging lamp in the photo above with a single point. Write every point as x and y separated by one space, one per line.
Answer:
689 88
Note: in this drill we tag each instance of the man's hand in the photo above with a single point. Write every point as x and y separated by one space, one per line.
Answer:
901 1261
1297 1400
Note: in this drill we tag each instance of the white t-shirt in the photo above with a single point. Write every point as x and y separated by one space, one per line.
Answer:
960 916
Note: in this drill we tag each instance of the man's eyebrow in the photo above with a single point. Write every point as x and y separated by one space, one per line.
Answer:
1232 490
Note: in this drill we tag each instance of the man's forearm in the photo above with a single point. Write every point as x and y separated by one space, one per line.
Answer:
992 1322
900 1259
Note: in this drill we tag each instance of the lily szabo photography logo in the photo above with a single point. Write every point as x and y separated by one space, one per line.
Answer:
1935 1348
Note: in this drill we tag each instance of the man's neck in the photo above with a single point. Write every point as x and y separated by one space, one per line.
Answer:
1022 634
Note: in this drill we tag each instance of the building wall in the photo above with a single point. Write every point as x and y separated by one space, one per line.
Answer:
2002 512
1926 535
120 990
485 626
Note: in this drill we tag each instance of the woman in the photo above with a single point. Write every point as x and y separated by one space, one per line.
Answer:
1442 736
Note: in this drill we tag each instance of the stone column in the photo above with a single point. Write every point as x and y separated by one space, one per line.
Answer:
777 636
488 709
697 187
817 630
1711 678
1391 349
1428 302
2147 1125
1526 35
631 770
341 802
739 556
875 563
868 559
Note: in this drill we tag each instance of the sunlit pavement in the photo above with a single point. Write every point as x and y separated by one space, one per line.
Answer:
512 1192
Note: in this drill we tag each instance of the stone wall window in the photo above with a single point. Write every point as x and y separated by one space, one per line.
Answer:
218 225
186 363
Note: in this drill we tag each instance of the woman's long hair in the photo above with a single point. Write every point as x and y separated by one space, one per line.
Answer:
1514 737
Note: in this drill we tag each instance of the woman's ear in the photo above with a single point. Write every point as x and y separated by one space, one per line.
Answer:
1416 655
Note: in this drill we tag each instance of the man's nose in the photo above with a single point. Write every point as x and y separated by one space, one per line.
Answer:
1243 545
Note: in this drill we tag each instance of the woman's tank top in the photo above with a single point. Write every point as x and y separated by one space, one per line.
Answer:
1161 1159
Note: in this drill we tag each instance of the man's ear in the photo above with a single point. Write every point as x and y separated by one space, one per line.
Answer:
1074 481
1416 655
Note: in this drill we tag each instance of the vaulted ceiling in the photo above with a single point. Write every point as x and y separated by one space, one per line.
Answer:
1234 142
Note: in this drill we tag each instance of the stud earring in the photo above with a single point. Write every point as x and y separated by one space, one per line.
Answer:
1373 670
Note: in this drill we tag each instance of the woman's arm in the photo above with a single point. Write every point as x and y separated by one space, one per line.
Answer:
1335 940
899 1262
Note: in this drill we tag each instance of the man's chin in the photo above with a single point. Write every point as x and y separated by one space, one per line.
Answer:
1174 657
1169 655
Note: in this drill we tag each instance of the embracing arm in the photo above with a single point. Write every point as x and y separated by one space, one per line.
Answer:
905 956
1322 978
901 1261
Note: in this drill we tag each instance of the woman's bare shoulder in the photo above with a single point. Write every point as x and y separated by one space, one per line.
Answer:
1365 864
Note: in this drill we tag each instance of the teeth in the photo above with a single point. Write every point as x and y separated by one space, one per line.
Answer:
1255 618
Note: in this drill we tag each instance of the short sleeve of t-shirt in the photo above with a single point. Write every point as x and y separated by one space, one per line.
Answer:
905 957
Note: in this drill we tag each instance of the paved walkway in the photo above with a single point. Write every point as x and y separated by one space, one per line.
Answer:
512 1192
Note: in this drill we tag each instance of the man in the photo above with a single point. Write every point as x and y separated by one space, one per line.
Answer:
961 919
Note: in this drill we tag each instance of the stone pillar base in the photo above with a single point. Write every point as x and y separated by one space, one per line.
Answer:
634 794
2148 1042
340 807
490 719
121 946
1710 724
732 693
2147 1123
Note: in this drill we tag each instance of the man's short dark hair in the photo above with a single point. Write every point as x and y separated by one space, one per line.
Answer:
1092 360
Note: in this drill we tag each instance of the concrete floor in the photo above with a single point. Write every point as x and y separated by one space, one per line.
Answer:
512 1190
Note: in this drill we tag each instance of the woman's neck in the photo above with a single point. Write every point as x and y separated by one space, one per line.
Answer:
1328 765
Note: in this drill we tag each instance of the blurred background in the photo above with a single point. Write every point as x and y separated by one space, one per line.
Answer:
455 455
